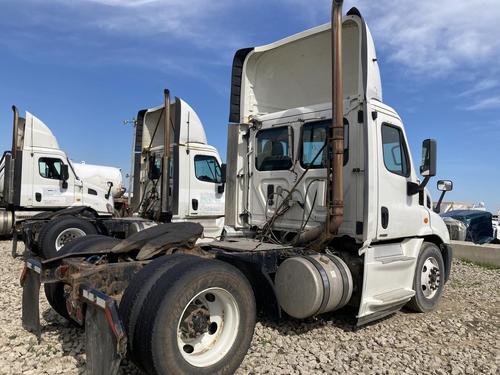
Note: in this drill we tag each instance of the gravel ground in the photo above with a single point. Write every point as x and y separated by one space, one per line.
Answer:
461 337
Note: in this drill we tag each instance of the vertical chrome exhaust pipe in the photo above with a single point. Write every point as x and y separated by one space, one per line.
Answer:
165 212
335 177
15 131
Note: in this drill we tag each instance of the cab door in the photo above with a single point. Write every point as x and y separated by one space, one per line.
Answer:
206 192
398 212
49 190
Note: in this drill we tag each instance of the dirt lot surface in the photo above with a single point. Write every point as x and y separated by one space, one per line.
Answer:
461 337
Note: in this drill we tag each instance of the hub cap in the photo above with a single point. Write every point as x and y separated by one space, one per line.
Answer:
68 235
430 279
208 327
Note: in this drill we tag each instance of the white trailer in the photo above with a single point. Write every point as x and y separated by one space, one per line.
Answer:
324 210
195 192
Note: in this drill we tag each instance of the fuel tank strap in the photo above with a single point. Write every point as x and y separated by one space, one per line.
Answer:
326 283
345 279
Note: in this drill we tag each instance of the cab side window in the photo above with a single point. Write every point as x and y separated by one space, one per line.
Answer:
394 150
273 149
50 168
207 168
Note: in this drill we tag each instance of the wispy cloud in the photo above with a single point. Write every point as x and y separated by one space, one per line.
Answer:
489 103
193 21
481 86
172 36
428 36
437 37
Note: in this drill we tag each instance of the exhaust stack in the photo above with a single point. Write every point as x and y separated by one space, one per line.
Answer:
15 131
166 212
335 178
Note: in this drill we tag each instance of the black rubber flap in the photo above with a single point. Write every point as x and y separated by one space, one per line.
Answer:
31 309
100 344
155 240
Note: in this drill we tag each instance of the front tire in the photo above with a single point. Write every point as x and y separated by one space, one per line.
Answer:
428 282
199 319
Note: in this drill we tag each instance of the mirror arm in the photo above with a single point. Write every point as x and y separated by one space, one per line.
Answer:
110 184
413 188
437 209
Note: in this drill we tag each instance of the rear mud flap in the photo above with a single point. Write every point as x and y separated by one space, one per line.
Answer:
30 281
105 341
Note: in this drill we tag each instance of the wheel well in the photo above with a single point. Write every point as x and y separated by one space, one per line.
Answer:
261 282
446 251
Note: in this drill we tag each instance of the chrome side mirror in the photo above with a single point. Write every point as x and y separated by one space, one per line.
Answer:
445 185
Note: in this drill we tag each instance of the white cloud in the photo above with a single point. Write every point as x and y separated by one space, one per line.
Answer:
436 37
488 103
124 3
447 41
427 36
194 21
481 86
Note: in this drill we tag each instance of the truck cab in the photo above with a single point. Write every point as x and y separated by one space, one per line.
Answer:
281 112
325 211
37 175
196 187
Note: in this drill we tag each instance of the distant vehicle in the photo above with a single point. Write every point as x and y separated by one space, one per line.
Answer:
37 176
195 192
477 224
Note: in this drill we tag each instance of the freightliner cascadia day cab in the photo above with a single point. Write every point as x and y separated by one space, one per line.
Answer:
37 176
324 210
196 191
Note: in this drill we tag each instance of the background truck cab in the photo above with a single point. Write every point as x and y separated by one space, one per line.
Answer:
36 176
196 187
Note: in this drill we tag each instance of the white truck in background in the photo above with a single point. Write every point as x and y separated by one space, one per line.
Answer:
37 176
195 192
325 207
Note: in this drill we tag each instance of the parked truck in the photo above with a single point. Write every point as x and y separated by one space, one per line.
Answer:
36 176
195 192
324 210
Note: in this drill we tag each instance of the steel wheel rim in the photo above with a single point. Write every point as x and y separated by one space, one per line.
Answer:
430 279
67 236
208 327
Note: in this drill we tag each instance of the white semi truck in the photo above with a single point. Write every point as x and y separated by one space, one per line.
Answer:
196 191
37 176
324 210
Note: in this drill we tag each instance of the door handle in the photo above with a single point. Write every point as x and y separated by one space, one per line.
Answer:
385 217
270 194
38 197
194 204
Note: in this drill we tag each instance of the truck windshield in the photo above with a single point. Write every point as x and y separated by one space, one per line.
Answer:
273 152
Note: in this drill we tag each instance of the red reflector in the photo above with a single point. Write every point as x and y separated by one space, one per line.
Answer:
24 273
111 323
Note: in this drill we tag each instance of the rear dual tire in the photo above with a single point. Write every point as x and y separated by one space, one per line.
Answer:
197 316
58 232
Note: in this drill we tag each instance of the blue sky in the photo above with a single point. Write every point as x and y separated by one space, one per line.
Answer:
84 66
